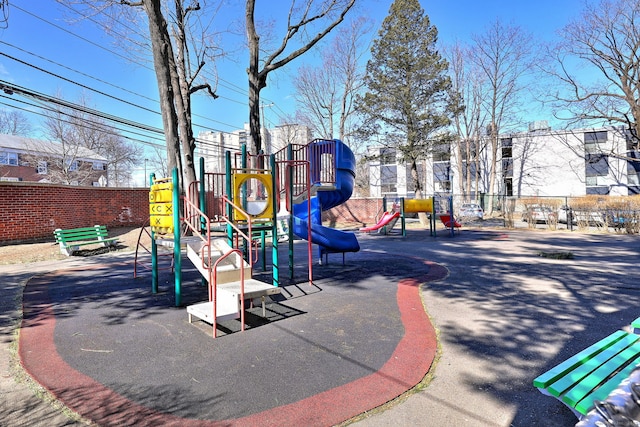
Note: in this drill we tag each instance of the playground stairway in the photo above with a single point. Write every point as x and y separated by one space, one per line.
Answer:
232 287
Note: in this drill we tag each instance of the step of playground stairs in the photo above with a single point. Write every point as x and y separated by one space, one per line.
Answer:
252 288
170 242
227 307
228 270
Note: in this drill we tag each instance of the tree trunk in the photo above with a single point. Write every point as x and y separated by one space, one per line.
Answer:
161 54
254 79
183 101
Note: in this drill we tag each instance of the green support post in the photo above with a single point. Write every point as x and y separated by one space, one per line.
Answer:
229 210
383 230
203 208
432 222
177 253
403 224
201 198
451 221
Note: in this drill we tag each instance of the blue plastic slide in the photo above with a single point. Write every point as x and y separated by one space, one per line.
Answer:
328 239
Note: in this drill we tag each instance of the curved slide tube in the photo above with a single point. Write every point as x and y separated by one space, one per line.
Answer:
330 240
386 219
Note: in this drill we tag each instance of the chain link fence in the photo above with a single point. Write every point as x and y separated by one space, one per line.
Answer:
620 214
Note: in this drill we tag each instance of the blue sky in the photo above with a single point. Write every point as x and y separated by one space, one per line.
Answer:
37 41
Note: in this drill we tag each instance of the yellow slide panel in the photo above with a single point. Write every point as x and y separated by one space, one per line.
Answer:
418 205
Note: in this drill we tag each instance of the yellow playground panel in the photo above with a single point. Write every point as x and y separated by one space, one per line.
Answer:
161 207
418 205
252 193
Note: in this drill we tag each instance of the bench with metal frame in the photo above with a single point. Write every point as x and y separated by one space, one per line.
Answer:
71 240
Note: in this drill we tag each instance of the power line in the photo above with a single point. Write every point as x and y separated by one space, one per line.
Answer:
225 83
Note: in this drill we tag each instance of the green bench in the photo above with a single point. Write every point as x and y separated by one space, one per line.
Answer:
592 374
70 240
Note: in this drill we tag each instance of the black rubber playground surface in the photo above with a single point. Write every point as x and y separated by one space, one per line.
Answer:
117 354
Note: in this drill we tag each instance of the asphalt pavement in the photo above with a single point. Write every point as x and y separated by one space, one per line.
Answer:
471 319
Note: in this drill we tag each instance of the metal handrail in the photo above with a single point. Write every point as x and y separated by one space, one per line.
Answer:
213 291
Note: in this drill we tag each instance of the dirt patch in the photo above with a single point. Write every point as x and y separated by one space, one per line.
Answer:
33 252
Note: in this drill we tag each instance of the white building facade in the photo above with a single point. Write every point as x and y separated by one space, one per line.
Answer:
540 162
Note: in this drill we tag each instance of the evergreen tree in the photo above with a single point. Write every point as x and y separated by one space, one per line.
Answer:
406 102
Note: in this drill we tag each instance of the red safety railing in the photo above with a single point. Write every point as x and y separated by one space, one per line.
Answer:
200 225
321 156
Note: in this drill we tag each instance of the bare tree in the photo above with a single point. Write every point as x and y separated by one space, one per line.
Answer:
325 94
469 118
604 39
180 48
75 129
14 122
503 55
319 17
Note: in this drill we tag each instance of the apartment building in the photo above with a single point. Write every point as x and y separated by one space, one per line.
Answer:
539 162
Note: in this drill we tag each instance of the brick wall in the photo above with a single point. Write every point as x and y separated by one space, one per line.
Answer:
354 213
31 211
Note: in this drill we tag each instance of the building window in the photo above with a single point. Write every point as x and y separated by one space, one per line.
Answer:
508 186
42 167
593 141
72 165
441 153
441 176
8 158
595 137
388 179
387 156
507 167
98 166
441 171
470 169
507 147
597 165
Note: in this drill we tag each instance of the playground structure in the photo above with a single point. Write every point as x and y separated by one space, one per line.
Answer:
398 212
405 206
226 217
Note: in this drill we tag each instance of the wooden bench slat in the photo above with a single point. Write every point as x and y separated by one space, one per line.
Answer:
564 383
602 374
601 393
544 380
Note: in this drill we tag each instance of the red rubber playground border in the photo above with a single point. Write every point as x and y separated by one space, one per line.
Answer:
406 367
